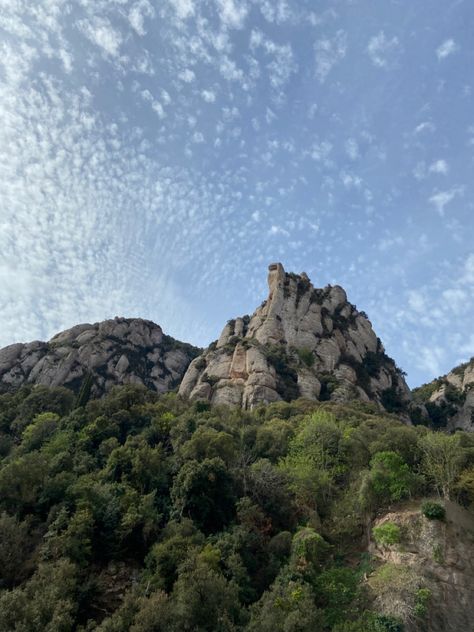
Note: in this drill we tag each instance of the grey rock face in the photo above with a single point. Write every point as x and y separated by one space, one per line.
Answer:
109 353
450 398
301 342
432 554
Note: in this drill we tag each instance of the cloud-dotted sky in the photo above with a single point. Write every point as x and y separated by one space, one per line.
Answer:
155 156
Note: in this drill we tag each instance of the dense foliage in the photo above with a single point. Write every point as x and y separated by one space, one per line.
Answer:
147 513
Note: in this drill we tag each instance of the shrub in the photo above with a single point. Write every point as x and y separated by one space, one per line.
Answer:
306 356
433 511
422 598
387 534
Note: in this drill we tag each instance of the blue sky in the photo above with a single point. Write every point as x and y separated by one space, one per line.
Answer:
156 156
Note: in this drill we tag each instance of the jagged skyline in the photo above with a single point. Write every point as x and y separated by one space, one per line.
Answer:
154 158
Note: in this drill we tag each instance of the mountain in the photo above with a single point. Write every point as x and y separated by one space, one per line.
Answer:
301 342
93 358
449 400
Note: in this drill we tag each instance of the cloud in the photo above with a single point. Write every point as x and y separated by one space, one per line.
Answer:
380 49
137 15
426 126
282 64
448 47
439 166
184 8
443 198
209 96
101 33
187 75
276 11
329 52
232 12
352 148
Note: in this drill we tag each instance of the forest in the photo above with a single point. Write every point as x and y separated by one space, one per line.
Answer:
150 513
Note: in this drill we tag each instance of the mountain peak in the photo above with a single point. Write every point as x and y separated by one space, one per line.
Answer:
301 342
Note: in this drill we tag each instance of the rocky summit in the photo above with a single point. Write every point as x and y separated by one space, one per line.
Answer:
449 400
93 358
301 342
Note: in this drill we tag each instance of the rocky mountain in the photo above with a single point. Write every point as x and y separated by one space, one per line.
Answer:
301 342
96 357
449 400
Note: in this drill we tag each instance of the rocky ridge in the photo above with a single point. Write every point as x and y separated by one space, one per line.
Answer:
301 342
449 400
96 357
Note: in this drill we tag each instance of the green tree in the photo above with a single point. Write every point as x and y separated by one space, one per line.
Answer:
204 492
442 461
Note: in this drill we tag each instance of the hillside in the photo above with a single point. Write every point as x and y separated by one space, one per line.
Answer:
149 513
449 400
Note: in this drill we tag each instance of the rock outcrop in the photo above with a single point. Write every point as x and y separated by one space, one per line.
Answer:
97 357
449 400
427 578
301 342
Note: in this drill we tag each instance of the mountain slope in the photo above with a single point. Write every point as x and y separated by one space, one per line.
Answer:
301 342
449 400
96 357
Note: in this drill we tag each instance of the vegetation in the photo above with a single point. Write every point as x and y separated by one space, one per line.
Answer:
387 533
144 512
433 511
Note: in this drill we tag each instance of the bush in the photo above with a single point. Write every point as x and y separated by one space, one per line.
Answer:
433 511
306 356
387 534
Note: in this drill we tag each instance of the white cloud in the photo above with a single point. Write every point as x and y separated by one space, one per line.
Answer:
184 8
283 63
416 301
468 273
439 166
187 75
443 198
275 10
447 48
209 96
232 12
456 299
352 148
198 137
380 48
426 126
101 33
431 359
328 52
137 15
278 230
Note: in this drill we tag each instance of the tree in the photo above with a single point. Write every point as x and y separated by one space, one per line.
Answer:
203 491
47 602
288 606
441 461
390 479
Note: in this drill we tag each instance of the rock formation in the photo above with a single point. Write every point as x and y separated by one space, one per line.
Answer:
449 400
301 342
426 579
97 357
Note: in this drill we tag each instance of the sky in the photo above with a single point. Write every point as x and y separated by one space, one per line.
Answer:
156 156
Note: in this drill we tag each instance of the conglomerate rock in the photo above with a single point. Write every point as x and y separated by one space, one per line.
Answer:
301 342
109 353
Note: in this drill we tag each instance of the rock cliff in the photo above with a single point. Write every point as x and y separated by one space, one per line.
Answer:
97 357
449 400
301 342
427 578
